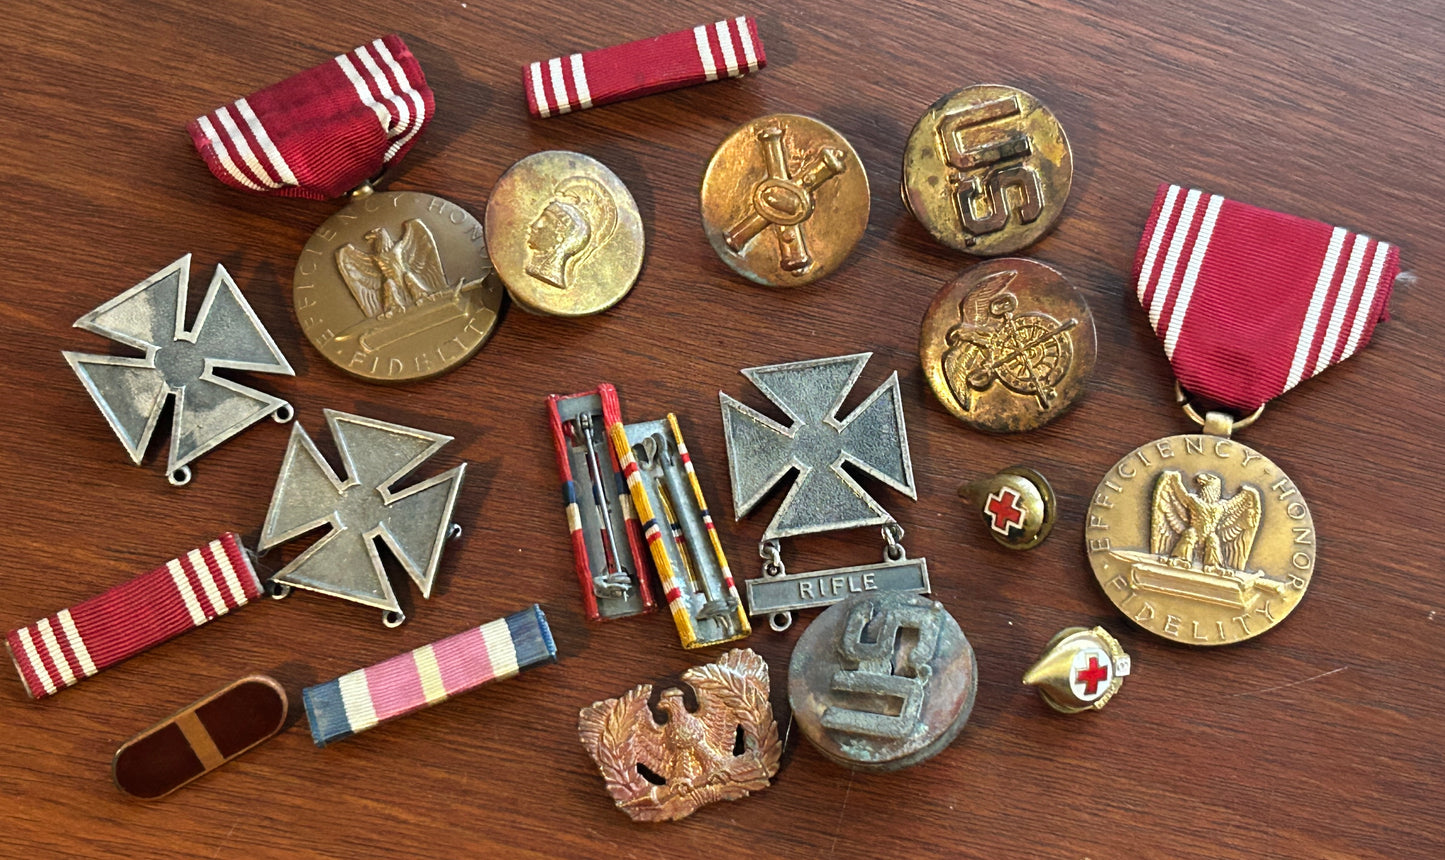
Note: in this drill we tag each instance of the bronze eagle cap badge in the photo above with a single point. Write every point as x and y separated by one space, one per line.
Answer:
725 750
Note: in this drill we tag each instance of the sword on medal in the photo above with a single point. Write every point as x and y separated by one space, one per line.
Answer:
824 497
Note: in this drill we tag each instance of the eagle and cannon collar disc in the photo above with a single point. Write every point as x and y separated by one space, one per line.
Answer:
397 287
1200 539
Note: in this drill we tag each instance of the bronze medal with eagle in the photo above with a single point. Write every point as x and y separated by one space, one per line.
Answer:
397 287
1200 539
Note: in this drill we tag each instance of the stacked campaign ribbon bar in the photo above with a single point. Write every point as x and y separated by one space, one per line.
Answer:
430 674
729 48
64 649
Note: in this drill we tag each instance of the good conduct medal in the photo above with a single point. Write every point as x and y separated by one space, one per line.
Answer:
1197 537
395 286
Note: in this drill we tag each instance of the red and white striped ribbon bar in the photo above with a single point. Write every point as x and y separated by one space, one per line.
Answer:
729 48
322 132
1250 302
182 594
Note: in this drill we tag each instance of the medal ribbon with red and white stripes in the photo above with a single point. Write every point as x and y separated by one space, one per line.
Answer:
63 649
322 132
725 49
1249 302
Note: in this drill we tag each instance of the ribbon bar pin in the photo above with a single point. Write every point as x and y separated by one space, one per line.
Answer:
433 673
1249 302
729 48
64 649
322 132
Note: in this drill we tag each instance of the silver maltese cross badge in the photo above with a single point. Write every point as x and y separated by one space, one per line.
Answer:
359 508
131 391
824 497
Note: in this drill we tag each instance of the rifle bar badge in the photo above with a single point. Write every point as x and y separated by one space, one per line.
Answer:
678 526
394 287
131 391
606 534
1199 538
824 497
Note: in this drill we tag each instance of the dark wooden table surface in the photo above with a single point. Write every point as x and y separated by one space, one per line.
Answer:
1321 739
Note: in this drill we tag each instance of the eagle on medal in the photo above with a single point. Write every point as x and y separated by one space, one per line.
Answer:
1027 353
1199 544
1220 531
399 279
393 275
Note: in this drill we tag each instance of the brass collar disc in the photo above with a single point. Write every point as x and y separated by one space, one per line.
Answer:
987 170
564 234
1008 345
784 200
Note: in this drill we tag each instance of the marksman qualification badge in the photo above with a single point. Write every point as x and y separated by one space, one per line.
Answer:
1199 538
200 585
725 750
131 391
824 497
361 508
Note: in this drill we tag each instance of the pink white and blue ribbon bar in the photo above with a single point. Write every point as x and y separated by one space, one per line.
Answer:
432 673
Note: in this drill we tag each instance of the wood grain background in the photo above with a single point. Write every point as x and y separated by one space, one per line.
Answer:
1321 739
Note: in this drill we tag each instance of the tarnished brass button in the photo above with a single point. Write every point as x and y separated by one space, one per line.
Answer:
882 680
564 234
395 287
1008 345
987 170
784 200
